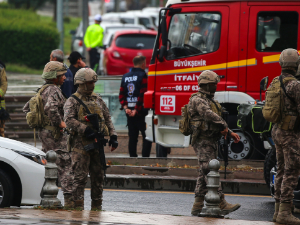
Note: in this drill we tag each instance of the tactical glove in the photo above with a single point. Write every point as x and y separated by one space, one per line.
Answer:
89 133
113 141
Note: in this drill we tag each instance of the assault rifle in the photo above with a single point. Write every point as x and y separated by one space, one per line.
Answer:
226 142
101 141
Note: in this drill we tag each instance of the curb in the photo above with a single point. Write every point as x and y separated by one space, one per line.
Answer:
176 183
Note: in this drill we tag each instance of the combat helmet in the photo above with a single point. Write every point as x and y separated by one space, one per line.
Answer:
85 75
54 69
207 77
289 58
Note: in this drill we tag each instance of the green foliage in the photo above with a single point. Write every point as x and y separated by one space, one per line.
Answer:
4 5
26 4
25 39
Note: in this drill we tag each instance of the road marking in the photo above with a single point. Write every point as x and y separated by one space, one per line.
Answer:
186 193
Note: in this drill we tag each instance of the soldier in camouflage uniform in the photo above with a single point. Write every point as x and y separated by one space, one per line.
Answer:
84 162
286 136
51 136
208 127
3 88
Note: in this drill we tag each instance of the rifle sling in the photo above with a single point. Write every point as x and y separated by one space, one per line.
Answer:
81 102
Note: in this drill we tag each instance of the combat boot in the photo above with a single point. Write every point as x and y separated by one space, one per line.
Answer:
285 215
79 204
277 204
198 205
226 207
96 205
69 202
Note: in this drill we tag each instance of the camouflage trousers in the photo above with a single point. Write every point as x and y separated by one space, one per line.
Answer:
50 143
206 150
63 161
65 174
288 162
82 165
2 126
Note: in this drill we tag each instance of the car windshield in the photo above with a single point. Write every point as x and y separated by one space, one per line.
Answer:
127 20
144 21
136 41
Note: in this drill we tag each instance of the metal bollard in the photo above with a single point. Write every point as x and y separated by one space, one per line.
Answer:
212 197
50 190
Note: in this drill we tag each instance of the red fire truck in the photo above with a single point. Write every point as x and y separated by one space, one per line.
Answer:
240 40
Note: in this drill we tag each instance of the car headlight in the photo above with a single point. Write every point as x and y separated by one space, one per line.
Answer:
36 158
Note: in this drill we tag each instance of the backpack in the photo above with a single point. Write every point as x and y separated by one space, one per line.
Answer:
185 122
273 108
36 118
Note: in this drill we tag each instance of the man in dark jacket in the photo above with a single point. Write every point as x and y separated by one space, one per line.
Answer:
132 89
75 59
67 86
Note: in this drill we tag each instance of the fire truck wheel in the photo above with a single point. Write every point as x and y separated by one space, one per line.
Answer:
243 149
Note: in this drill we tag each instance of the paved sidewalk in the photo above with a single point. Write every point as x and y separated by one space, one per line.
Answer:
33 216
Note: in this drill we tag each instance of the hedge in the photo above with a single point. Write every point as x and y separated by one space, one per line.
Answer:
24 39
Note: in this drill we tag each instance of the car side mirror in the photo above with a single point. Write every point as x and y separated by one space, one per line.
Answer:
72 32
264 83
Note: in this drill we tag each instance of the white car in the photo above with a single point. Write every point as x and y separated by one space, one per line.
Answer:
153 12
135 17
22 172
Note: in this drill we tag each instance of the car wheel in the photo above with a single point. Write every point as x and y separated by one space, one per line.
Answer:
269 163
6 190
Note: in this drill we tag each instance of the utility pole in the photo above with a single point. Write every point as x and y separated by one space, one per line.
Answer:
85 21
60 22
153 3
116 6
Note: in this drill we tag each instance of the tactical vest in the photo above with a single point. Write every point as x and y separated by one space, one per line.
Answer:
201 125
94 109
275 110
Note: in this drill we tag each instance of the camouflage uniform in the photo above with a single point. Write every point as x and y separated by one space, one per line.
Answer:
287 147
286 135
3 88
84 163
206 142
53 101
206 124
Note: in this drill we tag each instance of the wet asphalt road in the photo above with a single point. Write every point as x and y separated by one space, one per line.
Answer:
259 208
254 208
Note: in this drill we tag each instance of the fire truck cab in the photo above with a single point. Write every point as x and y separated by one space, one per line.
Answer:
239 40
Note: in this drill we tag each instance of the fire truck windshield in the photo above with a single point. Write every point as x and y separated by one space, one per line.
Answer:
193 34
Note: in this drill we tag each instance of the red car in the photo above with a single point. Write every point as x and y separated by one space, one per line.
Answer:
124 46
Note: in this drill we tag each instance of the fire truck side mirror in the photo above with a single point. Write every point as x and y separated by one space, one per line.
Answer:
164 38
162 53
264 83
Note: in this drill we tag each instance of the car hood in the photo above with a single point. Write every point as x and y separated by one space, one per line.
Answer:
19 146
